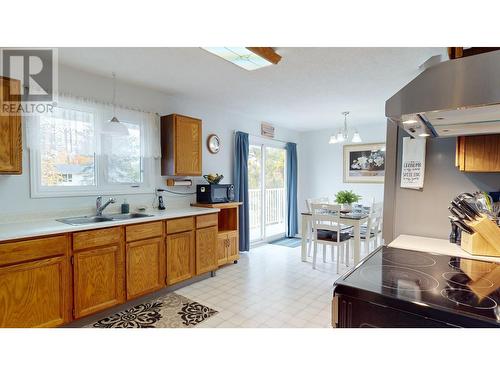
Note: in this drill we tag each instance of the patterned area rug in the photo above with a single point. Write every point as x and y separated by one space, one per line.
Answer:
170 311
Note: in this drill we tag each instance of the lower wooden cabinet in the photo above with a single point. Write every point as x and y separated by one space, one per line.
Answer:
145 266
180 257
233 248
35 294
98 279
206 250
227 247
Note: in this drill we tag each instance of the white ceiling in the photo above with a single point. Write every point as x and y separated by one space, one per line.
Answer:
307 90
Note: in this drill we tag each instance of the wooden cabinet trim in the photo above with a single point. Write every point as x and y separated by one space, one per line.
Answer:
180 225
32 249
96 237
137 232
203 221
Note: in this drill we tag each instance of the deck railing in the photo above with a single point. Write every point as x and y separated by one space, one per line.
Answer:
274 209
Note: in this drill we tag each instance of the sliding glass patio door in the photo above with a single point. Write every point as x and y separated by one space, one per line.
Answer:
267 191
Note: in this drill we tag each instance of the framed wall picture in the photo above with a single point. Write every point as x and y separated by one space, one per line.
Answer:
364 163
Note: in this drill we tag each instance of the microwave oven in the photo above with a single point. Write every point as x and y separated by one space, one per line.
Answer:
215 193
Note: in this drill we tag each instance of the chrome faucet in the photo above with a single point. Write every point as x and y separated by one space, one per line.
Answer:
99 207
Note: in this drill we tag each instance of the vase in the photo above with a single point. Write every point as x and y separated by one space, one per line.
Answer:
346 207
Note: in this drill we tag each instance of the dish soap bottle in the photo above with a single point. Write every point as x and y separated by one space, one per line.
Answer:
125 207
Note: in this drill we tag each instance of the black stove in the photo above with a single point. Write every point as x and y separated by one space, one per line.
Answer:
403 288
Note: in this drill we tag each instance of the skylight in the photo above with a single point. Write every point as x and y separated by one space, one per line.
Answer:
240 56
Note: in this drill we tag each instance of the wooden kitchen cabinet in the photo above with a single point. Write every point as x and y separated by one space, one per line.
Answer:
181 139
227 247
478 153
227 243
206 250
35 284
145 267
11 148
180 256
98 272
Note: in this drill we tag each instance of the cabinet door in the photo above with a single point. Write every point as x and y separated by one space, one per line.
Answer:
206 250
145 267
180 257
10 131
233 246
479 153
221 249
187 146
35 294
98 279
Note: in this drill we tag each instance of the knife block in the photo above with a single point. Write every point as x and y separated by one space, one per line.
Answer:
488 230
476 244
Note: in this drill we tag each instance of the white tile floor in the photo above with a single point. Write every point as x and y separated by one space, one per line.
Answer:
269 287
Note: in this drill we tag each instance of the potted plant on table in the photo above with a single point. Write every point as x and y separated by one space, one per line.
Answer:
346 198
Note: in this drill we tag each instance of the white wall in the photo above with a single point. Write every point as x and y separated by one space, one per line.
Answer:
15 190
321 165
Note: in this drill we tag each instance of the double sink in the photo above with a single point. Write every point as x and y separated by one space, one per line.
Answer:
83 220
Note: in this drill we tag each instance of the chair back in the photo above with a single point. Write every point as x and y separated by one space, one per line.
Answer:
326 216
310 201
375 219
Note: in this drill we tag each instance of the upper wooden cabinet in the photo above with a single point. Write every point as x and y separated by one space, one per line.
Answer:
10 129
181 146
478 153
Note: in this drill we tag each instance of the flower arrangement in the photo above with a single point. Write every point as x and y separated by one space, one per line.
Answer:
374 161
347 197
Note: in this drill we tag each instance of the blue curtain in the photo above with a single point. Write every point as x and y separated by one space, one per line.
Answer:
241 148
291 189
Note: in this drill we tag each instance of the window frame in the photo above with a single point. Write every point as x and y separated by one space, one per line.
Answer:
101 187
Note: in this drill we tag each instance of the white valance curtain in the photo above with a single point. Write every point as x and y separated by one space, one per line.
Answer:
94 116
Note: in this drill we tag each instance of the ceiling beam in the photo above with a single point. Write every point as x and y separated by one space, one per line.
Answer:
266 53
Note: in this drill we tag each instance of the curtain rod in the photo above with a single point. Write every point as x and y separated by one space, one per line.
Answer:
262 137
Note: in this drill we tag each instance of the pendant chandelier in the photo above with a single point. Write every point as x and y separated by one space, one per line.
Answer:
115 126
343 134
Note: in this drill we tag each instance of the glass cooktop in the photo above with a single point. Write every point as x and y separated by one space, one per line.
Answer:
458 285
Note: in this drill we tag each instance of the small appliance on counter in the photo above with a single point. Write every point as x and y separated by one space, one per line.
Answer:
159 198
214 193
396 288
474 223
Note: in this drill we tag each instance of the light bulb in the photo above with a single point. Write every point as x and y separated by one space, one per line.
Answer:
356 138
332 140
340 137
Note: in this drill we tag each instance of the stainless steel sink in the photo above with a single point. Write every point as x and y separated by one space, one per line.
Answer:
134 215
82 220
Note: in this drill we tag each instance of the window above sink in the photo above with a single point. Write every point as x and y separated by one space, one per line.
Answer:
76 151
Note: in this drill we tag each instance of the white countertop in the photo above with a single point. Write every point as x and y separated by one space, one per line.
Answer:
436 245
34 228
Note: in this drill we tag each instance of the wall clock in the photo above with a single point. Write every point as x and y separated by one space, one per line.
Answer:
213 143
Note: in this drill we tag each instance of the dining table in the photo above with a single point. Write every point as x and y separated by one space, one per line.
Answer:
356 220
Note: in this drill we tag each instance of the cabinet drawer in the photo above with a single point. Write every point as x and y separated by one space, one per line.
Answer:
180 225
204 221
142 231
95 238
22 251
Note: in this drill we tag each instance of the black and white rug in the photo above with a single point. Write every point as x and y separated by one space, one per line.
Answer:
170 311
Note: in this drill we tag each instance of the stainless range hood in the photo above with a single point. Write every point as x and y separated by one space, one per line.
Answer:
455 97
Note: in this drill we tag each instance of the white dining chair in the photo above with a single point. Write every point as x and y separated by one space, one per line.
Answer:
309 202
327 231
370 233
